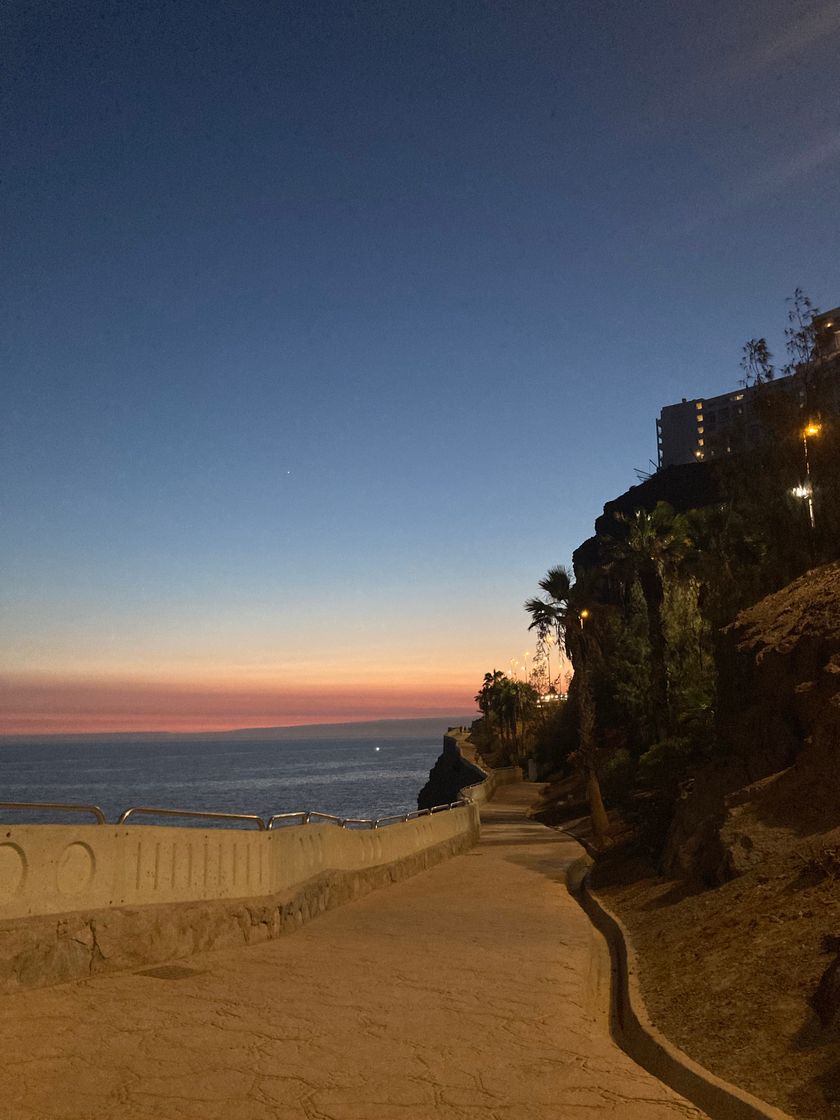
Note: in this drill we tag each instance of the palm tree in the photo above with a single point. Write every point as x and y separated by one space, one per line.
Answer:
488 696
565 611
651 549
509 705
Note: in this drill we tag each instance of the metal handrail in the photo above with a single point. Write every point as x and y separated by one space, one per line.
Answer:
306 817
97 812
399 818
302 816
415 813
193 813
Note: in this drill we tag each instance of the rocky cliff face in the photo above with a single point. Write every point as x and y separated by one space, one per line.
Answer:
779 727
449 775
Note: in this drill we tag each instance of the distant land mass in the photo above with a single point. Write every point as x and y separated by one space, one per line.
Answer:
422 728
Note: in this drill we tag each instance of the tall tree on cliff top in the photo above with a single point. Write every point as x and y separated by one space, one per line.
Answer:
800 334
565 613
756 362
652 547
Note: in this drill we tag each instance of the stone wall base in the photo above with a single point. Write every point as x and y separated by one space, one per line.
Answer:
36 952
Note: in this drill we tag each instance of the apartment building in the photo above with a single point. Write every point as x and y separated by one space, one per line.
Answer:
827 334
706 428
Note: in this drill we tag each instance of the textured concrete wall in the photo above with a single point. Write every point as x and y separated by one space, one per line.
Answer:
483 791
54 869
76 900
36 952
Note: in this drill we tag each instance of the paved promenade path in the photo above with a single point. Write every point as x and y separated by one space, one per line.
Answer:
474 991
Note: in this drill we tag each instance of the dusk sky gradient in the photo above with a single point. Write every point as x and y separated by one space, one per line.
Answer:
329 327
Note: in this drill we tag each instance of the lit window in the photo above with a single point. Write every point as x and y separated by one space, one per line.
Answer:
700 443
699 417
699 406
739 396
700 431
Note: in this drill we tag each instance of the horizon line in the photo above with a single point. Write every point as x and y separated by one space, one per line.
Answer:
218 732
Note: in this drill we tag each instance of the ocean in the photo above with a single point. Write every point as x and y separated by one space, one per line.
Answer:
350 777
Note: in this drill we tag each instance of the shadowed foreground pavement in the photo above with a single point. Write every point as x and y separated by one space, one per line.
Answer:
475 990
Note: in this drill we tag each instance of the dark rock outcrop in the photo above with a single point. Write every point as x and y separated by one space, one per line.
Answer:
449 775
779 729
561 800
826 999
779 665
686 486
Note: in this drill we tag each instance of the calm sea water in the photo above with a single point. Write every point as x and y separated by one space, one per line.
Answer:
349 778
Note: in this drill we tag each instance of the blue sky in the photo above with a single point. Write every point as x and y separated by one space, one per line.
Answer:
331 326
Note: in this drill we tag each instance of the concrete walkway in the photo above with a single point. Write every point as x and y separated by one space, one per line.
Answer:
475 991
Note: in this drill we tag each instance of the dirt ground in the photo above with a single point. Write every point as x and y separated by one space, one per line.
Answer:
727 972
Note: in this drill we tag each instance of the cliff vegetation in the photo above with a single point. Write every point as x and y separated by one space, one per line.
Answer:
697 752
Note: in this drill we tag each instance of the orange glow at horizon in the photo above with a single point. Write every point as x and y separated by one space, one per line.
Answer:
56 704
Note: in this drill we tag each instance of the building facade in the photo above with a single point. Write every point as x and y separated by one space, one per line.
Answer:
705 428
827 334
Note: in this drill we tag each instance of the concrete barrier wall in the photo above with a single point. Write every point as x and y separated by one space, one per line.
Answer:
53 869
78 900
484 791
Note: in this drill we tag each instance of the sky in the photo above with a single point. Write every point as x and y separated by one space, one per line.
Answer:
329 327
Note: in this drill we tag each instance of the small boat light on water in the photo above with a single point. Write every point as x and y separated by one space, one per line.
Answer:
376 748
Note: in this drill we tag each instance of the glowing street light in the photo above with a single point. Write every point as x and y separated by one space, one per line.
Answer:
810 430
548 642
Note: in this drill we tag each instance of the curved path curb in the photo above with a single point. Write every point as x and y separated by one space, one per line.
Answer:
633 1030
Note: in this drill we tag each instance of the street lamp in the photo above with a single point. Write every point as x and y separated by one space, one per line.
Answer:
548 642
810 430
